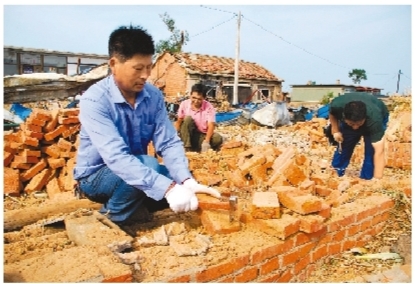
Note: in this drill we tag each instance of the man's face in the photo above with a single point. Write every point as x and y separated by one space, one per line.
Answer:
196 99
131 75
355 124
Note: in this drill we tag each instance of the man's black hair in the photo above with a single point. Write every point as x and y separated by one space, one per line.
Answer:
355 111
199 88
125 42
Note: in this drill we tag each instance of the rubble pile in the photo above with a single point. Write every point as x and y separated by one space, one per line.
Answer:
41 154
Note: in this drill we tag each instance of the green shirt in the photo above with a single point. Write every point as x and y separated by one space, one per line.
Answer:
376 113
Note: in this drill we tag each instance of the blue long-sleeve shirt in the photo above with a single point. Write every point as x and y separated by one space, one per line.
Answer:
113 132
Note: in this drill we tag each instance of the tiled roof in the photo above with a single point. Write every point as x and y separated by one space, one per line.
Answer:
215 65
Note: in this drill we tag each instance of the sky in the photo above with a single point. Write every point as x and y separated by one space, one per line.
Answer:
297 43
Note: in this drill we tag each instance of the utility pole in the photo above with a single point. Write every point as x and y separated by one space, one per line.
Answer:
398 81
237 55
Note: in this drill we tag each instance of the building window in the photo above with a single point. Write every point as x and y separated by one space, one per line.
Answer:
10 57
55 61
30 59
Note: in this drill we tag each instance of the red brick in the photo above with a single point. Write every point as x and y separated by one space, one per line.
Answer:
30 141
386 204
217 271
348 244
25 159
38 181
56 163
311 223
339 236
55 133
227 279
256 160
71 130
323 190
319 253
298 253
12 137
316 236
237 179
52 188
52 151
294 174
207 202
32 134
380 218
12 184
269 266
301 264
269 252
180 279
326 210
40 114
285 277
30 153
231 144
7 158
34 170
300 202
69 112
365 212
51 124
68 120
265 205
302 238
353 229
320 179
366 224
218 222
308 185
127 278
31 127
35 121
22 166
247 275
334 248
282 228
271 279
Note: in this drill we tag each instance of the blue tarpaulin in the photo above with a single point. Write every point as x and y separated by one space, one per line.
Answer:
20 111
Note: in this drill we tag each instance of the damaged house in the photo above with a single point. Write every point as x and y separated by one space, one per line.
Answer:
174 74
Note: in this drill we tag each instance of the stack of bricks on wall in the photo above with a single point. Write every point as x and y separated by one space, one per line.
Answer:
299 211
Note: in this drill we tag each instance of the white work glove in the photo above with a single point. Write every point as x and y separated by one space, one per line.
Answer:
338 137
196 187
181 199
205 146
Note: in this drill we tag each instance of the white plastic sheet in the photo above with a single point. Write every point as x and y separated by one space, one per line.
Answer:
274 114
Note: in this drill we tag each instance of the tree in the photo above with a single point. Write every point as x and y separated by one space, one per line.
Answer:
176 40
357 75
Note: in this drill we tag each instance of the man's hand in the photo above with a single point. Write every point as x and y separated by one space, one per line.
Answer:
193 185
205 146
181 199
338 137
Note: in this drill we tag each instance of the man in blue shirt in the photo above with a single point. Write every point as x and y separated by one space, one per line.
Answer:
119 116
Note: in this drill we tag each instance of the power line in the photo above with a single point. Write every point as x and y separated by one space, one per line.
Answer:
206 7
281 38
213 27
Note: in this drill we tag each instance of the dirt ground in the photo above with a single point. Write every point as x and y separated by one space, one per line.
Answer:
156 261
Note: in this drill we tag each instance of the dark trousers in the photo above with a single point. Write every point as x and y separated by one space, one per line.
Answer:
121 200
351 137
192 138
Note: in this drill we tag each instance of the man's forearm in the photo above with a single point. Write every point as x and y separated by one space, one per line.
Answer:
210 132
334 124
379 161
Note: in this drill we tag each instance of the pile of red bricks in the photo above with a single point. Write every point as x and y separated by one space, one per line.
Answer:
42 153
